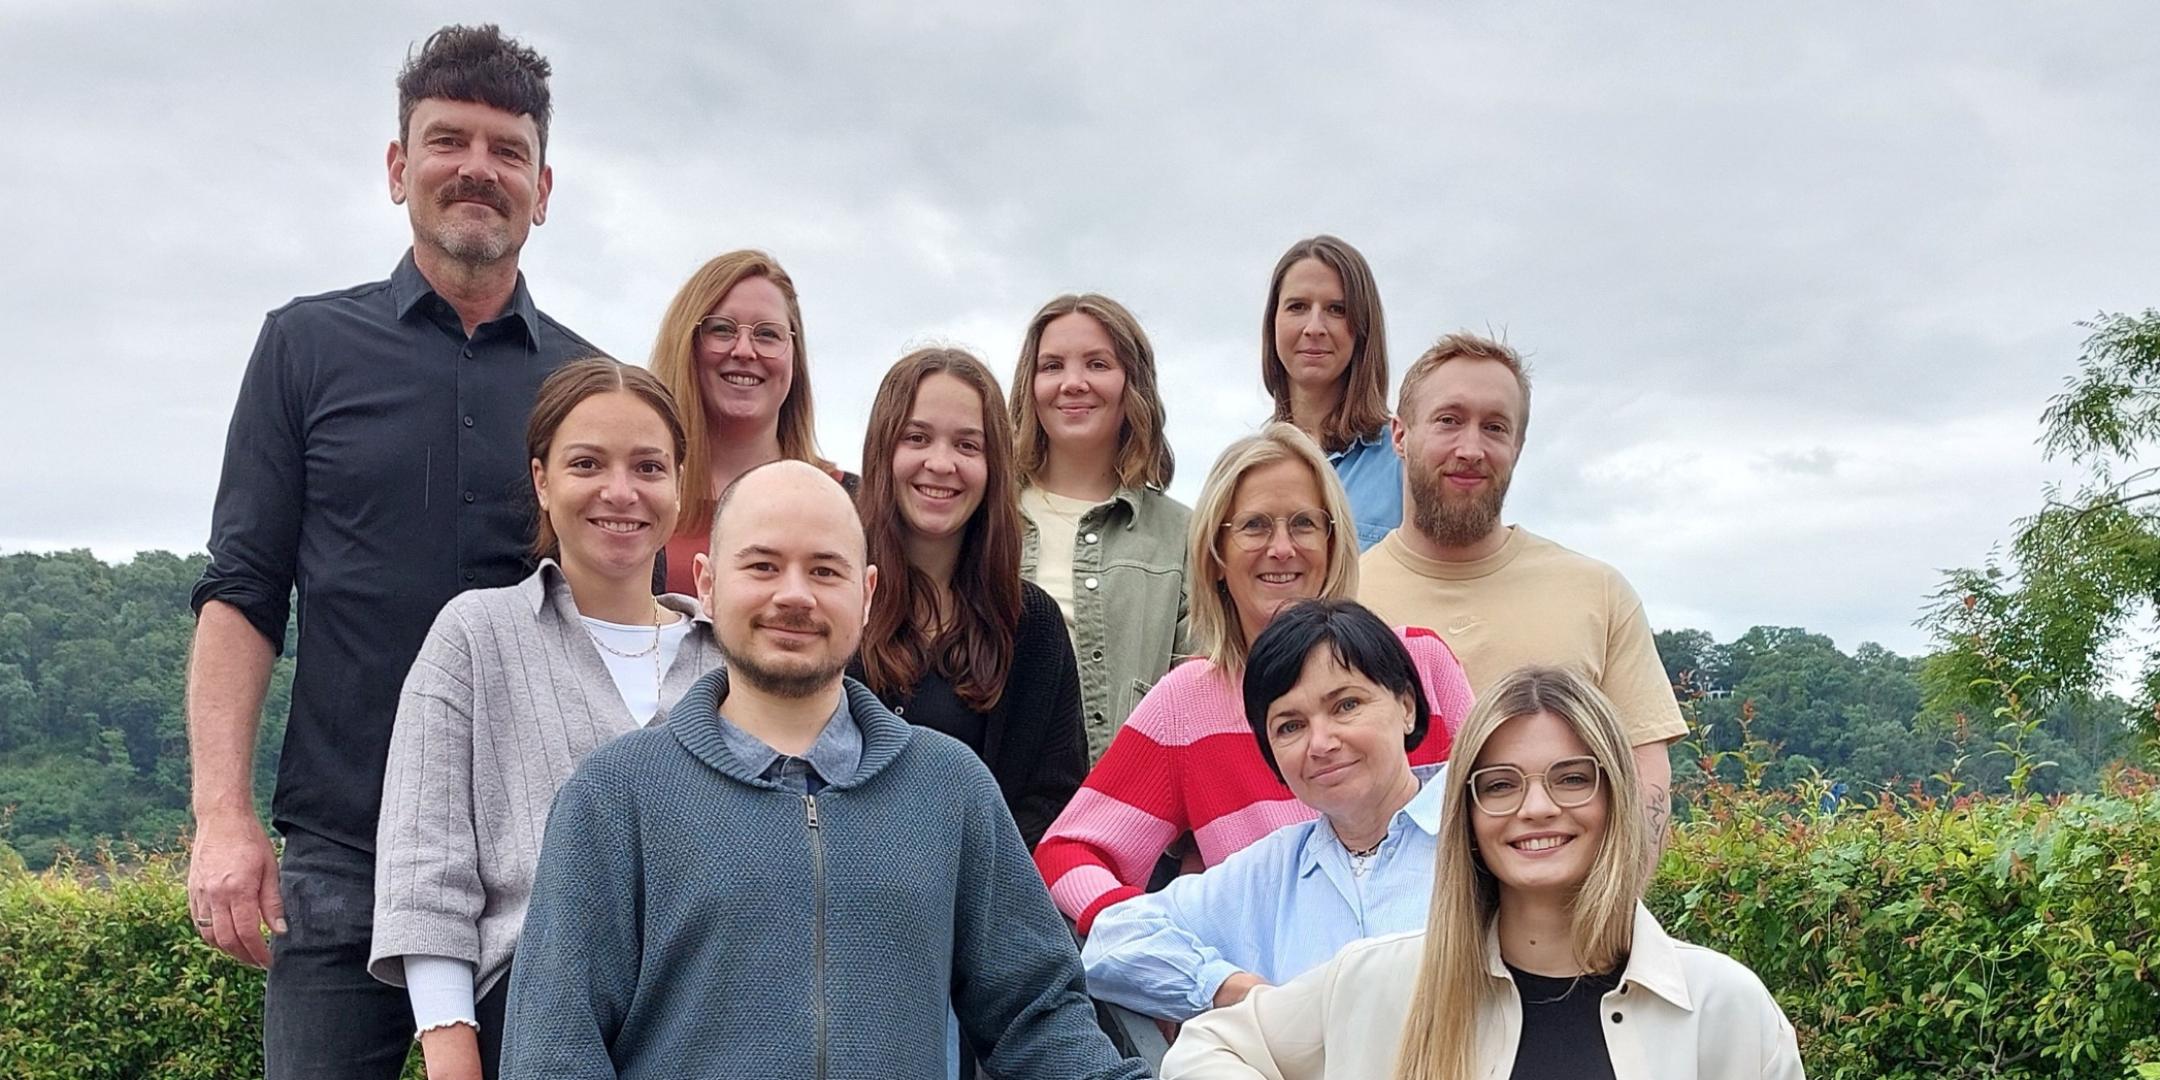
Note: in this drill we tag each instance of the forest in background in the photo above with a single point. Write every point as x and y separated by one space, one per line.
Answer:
93 743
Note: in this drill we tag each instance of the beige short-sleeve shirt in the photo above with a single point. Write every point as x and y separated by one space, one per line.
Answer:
1531 602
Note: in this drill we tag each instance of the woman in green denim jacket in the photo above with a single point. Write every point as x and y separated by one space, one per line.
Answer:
1100 536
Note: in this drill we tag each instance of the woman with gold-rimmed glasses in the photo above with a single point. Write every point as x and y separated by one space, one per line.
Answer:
731 350
1264 534
1537 958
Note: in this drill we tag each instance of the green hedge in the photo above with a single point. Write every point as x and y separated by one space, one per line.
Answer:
1938 938
102 976
1919 938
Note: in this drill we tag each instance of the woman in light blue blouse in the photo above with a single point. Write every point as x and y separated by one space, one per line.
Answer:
1323 357
1335 704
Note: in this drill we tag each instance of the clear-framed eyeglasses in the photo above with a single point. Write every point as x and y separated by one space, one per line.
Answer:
766 338
1570 782
1308 529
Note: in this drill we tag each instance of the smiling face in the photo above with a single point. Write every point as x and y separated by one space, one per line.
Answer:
471 179
1079 386
1459 436
786 583
1262 580
1542 846
939 467
1338 739
608 486
740 387
1313 335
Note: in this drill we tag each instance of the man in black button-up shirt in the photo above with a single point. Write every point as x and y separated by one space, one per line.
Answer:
376 463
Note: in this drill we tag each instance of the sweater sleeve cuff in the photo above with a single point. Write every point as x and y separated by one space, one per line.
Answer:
1086 921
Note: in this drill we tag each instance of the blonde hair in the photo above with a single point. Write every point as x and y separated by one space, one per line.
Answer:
1143 457
1216 632
674 360
1463 345
1453 984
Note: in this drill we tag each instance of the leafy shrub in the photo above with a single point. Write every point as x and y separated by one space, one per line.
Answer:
1939 938
1917 937
102 976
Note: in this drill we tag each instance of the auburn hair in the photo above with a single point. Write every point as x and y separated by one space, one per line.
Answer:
902 639
674 360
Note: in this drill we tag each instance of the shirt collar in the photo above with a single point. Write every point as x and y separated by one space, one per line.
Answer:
834 756
1422 812
547 586
1360 444
1653 963
408 287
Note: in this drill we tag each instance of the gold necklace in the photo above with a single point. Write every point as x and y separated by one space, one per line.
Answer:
652 650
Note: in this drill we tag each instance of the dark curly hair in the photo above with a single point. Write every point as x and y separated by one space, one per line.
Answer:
476 63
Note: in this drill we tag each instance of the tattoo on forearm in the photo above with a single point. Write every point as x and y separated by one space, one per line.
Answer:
1657 813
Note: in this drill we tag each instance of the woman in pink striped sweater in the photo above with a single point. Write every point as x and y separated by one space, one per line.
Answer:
1272 526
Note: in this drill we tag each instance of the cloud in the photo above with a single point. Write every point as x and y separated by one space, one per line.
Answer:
1794 282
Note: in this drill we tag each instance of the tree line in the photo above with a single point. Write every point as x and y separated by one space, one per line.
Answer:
93 739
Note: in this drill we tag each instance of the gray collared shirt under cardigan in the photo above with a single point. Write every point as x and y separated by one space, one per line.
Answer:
507 696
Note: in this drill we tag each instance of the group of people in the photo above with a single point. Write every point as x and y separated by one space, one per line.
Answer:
630 736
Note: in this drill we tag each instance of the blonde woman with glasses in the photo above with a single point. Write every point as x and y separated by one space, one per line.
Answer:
1271 528
1537 960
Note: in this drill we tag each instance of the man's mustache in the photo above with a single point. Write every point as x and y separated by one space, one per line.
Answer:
467 189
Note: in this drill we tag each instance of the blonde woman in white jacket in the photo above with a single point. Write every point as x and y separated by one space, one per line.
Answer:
1537 959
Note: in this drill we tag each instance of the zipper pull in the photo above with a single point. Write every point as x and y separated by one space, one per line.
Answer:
810 802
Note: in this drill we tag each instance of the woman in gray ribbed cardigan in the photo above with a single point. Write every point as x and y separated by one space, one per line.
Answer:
513 687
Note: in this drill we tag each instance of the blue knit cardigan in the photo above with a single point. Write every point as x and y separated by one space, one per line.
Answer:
691 919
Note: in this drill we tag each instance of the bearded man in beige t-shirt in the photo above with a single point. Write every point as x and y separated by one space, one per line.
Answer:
1501 596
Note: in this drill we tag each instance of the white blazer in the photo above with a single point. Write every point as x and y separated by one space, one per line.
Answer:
1681 1012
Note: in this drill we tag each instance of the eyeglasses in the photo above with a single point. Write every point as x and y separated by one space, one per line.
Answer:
1308 529
766 338
1499 789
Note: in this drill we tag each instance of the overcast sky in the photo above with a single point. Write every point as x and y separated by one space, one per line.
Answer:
1795 283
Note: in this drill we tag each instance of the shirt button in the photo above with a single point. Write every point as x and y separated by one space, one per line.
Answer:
1089 538
1616 1018
468 352
1096 717
1098 656
468 421
469 496
469 575
1092 583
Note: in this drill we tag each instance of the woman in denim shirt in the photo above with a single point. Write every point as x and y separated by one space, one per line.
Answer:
1099 534
1323 356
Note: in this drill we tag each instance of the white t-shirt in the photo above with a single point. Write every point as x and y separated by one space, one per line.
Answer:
638 677
1057 528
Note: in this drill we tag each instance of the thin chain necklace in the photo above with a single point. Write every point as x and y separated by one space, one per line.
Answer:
652 650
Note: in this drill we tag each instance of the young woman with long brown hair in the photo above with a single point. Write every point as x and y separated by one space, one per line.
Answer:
956 640
1323 359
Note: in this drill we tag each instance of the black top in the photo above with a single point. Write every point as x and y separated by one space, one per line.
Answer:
1563 1037
375 462
1032 739
937 706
